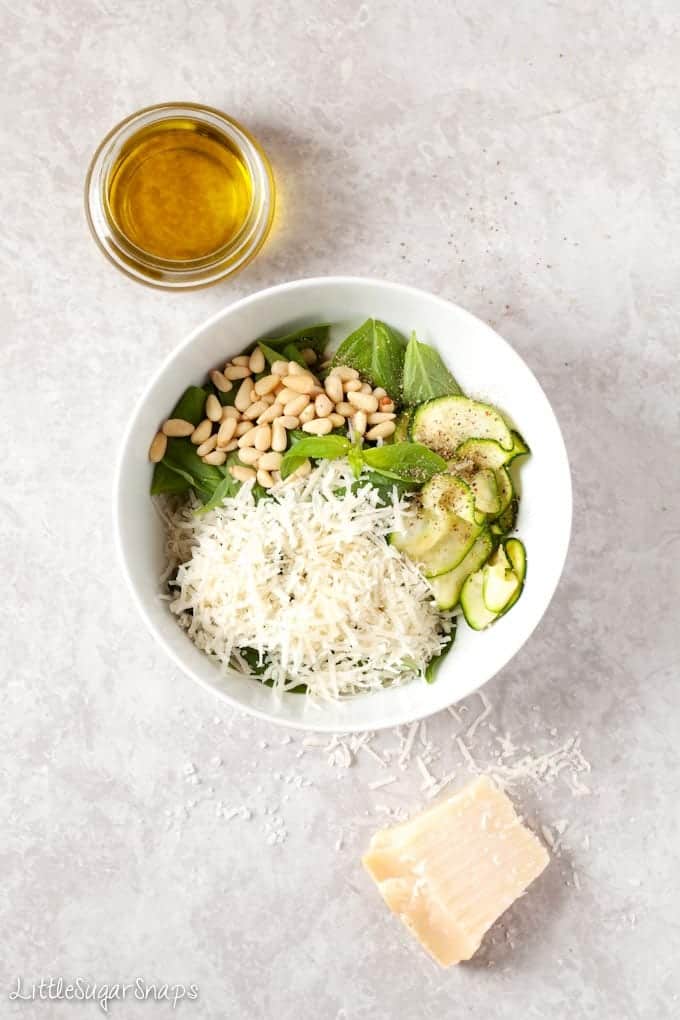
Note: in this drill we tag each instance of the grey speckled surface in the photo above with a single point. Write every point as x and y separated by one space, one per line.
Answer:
520 159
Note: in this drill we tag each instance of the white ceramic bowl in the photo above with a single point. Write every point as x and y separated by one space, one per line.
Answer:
486 367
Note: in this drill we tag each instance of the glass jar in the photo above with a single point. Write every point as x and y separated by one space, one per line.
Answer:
188 271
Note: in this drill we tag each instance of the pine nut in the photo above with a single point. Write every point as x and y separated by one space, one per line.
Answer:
249 456
220 381
333 387
226 432
289 421
264 478
345 409
386 404
207 447
284 396
263 438
229 411
379 392
318 427
309 355
336 420
241 474
255 410
323 406
352 386
159 445
279 437
300 383
247 439
268 399
308 414
256 361
230 447
201 432
359 422
366 388
380 416
213 408
295 369
276 475
297 405
244 396
272 412
217 458
266 384
382 431
177 427
270 461
241 359
243 427
344 373
279 368
316 391
235 372
363 402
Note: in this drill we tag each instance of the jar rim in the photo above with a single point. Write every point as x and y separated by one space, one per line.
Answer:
192 273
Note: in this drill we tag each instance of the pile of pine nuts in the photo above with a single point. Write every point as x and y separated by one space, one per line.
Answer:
289 397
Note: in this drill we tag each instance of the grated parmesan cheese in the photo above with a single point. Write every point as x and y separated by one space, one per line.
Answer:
307 580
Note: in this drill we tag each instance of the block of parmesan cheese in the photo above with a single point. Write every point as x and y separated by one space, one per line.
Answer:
451 871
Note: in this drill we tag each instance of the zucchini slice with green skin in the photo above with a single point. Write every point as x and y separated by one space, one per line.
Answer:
446 422
452 494
489 453
422 533
500 583
450 550
516 553
472 602
519 447
506 491
507 520
401 427
447 587
485 490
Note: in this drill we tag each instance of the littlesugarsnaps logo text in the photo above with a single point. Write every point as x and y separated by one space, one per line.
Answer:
103 993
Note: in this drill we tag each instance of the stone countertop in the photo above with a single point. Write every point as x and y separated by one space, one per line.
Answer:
521 160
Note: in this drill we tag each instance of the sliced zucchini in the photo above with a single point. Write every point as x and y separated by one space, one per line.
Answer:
450 493
519 447
485 490
446 422
516 553
486 453
499 582
401 426
447 587
506 491
448 552
472 602
424 531
507 520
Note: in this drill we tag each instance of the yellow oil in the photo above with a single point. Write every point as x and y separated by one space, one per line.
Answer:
179 191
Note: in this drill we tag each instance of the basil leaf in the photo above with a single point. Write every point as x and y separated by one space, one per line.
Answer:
435 662
181 457
227 486
191 405
376 351
164 479
425 374
317 447
270 354
292 353
386 485
411 462
315 337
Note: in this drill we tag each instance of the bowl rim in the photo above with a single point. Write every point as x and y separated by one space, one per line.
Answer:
321 726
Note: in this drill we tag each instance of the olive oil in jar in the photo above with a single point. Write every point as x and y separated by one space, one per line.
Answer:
179 190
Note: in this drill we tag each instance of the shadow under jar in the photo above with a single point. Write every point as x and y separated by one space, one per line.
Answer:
179 196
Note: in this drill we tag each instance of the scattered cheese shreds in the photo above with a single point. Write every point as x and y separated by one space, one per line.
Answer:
306 580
